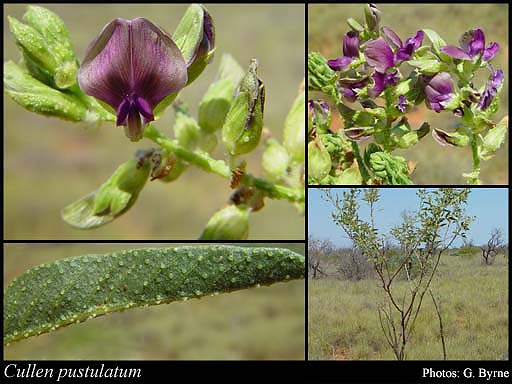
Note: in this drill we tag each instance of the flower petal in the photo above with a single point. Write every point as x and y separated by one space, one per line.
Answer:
105 72
391 37
351 44
339 64
411 44
455 52
158 68
379 55
402 103
490 51
477 43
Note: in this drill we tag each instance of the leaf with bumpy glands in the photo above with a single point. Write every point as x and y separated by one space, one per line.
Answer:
76 289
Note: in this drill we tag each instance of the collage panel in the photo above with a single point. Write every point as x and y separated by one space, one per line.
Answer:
154 121
408 274
126 301
409 94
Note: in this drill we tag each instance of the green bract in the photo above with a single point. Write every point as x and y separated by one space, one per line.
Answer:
216 101
242 128
112 199
72 290
230 223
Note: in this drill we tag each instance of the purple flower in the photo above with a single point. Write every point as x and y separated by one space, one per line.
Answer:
349 88
472 43
132 65
491 87
380 55
402 103
382 81
350 50
404 51
438 91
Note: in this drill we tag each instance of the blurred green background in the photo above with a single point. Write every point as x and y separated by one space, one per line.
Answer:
436 164
50 163
257 323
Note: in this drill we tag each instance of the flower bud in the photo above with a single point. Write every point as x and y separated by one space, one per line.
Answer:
46 47
230 223
37 97
215 103
452 139
177 169
112 199
372 15
319 161
275 160
294 134
195 37
241 131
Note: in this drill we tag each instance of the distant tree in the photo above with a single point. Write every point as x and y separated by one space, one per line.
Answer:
493 246
424 236
317 252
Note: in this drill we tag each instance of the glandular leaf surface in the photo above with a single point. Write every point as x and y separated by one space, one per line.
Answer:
75 289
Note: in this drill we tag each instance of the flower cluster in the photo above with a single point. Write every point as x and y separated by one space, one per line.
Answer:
370 72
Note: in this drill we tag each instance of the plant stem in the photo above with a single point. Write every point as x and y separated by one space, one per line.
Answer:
360 163
220 167
476 161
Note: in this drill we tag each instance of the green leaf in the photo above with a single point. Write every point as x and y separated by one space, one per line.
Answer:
437 43
76 289
37 97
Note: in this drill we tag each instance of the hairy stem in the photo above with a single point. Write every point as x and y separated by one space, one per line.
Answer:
220 167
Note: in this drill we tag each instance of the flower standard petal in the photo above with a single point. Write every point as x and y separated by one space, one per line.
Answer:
158 66
392 38
379 55
477 43
351 44
105 71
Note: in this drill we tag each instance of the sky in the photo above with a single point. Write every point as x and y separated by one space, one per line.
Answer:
489 205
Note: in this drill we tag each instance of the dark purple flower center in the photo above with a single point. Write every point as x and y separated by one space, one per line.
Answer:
130 111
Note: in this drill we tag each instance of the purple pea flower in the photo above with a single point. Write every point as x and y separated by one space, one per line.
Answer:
350 50
403 51
472 43
491 87
438 91
402 103
380 55
382 81
132 65
349 88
